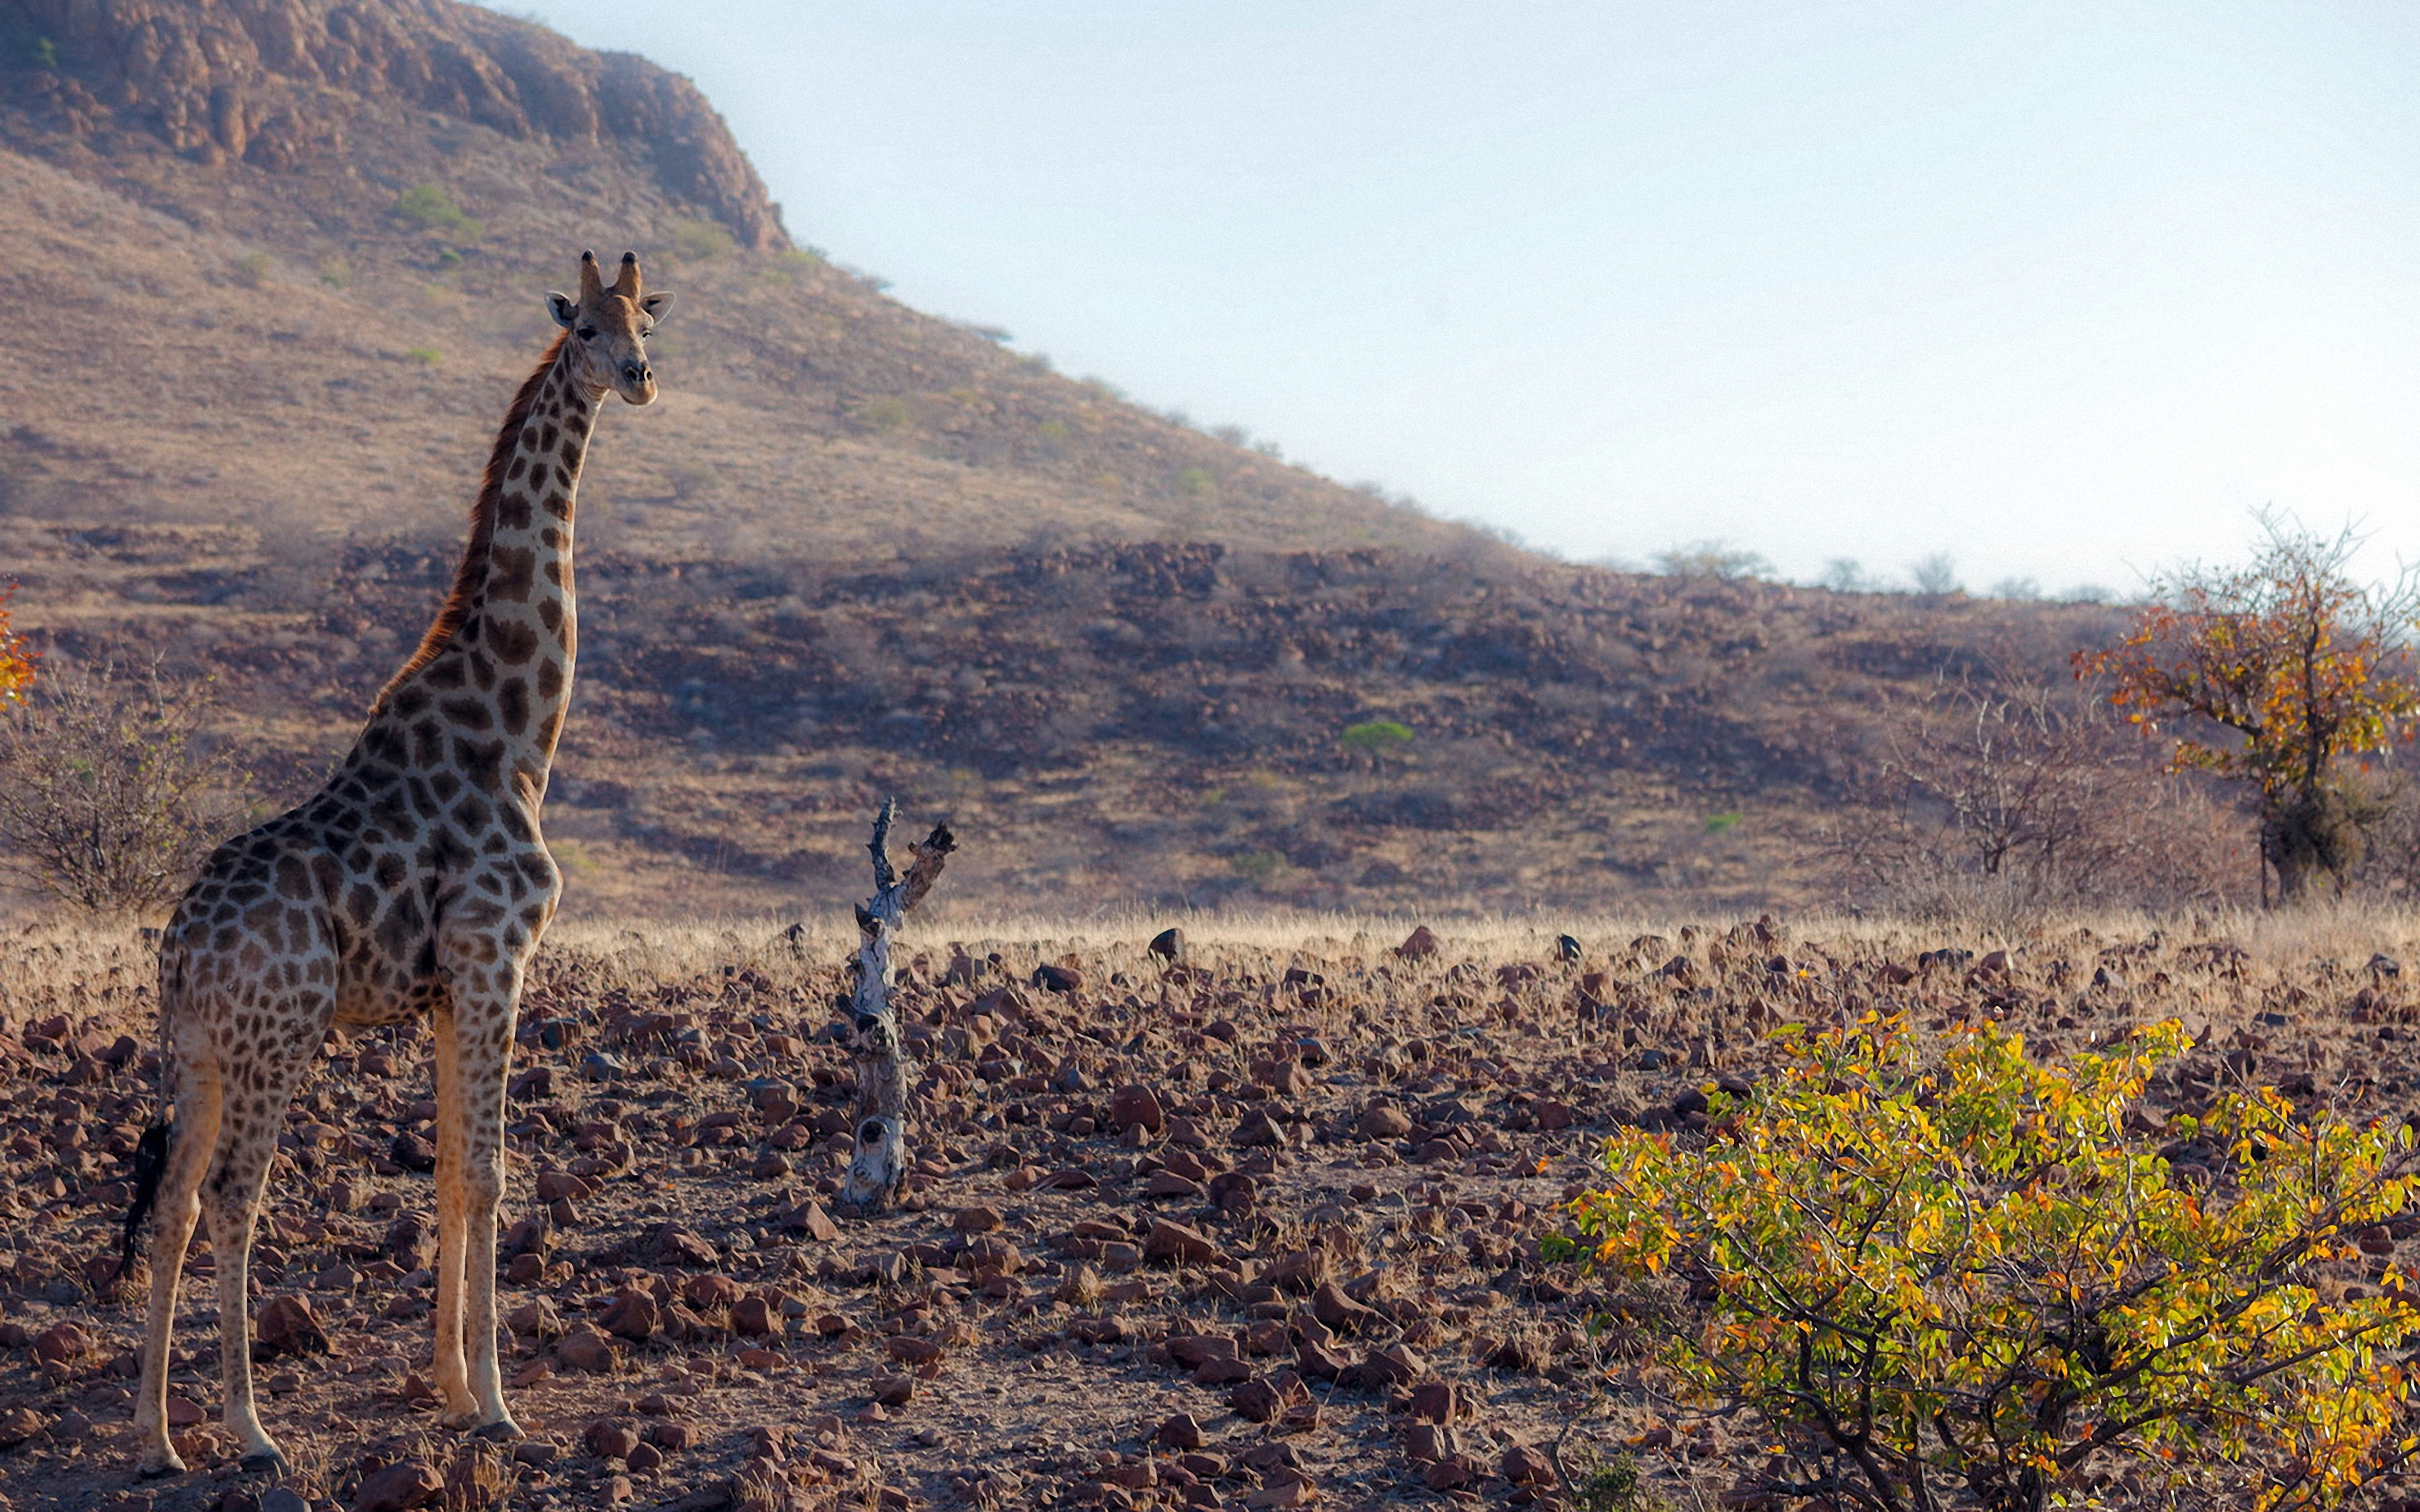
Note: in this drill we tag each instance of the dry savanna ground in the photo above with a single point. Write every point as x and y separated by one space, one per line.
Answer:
1255 1228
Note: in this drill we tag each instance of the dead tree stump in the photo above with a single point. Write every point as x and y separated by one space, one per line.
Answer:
884 1073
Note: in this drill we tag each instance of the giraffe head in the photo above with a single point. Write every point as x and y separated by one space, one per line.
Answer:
609 328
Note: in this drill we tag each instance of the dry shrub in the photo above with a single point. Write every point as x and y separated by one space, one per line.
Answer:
2009 800
110 795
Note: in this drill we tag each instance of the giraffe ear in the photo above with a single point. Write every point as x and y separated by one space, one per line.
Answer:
565 309
657 305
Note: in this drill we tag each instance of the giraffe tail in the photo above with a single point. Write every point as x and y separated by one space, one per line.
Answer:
150 1162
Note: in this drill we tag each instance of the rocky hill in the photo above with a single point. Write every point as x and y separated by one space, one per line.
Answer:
275 266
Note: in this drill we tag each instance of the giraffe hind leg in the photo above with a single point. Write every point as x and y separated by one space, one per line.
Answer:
255 1091
193 1134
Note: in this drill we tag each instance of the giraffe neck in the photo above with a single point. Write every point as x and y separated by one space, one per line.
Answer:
494 672
527 613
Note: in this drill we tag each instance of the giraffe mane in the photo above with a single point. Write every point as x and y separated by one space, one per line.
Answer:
474 567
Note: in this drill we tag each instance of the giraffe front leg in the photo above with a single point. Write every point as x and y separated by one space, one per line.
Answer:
480 1051
452 1375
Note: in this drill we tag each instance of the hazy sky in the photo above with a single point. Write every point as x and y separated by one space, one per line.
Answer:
2062 290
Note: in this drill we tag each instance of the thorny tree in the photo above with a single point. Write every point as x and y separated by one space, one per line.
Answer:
2299 668
2015 794
110 795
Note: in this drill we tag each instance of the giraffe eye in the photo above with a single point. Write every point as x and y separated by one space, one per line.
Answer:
588 333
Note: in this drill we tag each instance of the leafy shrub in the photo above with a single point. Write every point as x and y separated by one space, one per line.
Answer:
1374 738
1935 576
1718 560
887 413
1197 482
108 798
1981 1274
432 209
252 269
698 241
425 356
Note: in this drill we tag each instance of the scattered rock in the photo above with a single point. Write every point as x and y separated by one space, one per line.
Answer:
62 1343
585 1349
1259 1131
286 1327
610 1438
1168 945
18 1424
1178 1432
1525 1466
976 1220
810 1219
1175 1241
1053 979
398 1487
1419 945
1135 1104
1383 1120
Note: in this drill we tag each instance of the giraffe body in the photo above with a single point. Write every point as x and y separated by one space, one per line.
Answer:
415 883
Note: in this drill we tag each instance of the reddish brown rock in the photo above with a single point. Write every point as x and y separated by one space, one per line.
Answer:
810 1219
754 1317
1180 1244
976 1220
1383 1120
610 1438
1453 1473
633 1315
1419 945
1331 1306
62 1343
1259 1131
1135 1104
1439 1401
286 1326
1179 1432
400 1488
711 1290
585 1349
1526 1466
18 1424
1427 1443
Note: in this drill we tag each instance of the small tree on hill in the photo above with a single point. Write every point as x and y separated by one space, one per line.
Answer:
16 659
2299 667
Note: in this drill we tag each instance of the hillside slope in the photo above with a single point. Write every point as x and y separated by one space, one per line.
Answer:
311 240
276 267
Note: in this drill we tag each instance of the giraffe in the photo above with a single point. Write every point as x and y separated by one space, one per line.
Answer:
413 884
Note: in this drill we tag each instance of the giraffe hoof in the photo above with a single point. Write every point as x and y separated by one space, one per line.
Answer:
158 1469
265 1462
502 1431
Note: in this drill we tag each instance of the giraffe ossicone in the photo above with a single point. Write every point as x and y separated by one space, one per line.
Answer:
413 884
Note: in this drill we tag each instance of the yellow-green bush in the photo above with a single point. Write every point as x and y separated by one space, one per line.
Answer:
1983 1274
